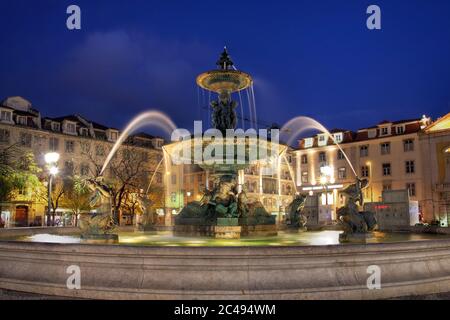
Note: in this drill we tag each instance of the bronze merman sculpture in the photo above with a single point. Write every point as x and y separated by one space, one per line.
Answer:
351 219
295 217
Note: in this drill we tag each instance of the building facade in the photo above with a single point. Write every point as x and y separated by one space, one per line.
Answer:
83 146
391 155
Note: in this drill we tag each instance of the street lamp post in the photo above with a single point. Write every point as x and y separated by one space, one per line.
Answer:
51 159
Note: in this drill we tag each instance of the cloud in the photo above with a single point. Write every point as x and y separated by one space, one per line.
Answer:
120 73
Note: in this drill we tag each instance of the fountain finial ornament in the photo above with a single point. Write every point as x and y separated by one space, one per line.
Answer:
225 62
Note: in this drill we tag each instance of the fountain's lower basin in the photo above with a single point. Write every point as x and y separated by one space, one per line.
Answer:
307 265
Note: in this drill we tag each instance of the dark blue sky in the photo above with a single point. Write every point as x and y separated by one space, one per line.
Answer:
314 58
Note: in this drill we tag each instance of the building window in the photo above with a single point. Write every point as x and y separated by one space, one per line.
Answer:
386 169
364 151
304 159
340 155
174 179
410 166
56 126
365 171
387 186
70 146
6 116
84 169
25 139
68 168
4 135
400 130
342 173
385 131
100 151
322 140
309 142
408 145
338 137
53 144
22 120
322 157
305 178
71 128
385 148
411 187
113 135
173 197
84 132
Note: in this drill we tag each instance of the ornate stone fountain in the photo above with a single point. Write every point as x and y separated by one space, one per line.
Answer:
225 210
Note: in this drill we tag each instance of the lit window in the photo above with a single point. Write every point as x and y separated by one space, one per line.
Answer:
113 135
342 173
305 177
338 137
309 142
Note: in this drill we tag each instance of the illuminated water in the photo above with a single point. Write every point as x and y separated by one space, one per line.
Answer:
167 239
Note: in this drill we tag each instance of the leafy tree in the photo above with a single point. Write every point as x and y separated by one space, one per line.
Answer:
18 172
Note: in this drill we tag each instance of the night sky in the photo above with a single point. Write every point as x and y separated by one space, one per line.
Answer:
314 58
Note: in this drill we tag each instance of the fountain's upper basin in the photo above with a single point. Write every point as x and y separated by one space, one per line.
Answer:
229 154
224 81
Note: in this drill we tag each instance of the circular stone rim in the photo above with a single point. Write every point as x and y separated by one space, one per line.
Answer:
246 80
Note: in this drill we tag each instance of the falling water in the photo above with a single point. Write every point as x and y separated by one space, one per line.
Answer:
149 118
154 174
300 124
250 110
253 106
291 172
242 111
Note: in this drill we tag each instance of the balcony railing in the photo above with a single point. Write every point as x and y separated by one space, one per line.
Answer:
443 186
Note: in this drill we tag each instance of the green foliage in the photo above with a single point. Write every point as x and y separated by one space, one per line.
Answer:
18 171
